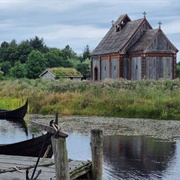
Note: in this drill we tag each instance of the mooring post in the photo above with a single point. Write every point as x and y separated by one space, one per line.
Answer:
60 158
56 119
97 153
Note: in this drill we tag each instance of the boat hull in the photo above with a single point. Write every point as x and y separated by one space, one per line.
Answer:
14 114
31 147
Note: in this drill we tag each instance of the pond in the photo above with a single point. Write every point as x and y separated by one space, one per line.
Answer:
124 157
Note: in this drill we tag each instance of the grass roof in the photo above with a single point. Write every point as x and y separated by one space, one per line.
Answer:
61 71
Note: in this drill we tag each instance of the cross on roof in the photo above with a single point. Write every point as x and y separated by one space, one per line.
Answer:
144 14
112 22
159 24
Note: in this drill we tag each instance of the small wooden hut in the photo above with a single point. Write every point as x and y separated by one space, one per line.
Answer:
133 50
61 72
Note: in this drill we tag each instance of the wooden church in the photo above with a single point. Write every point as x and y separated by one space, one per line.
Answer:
133 50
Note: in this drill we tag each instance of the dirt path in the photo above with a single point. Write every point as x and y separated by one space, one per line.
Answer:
163 129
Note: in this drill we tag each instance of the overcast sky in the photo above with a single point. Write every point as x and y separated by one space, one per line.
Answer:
81 22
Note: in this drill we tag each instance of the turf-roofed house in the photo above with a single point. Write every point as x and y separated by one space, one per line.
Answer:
61 72
133 50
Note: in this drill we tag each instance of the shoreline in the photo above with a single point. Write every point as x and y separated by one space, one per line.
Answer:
161 129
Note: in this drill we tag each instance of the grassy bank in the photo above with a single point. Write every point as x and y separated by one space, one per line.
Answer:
145 99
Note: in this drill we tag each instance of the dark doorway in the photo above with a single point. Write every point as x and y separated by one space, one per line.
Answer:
95 74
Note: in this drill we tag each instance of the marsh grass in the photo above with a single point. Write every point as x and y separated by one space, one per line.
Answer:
131 99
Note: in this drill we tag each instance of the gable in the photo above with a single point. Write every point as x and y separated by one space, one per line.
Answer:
161 44
47 75
137 35
117 38
143 42
153 40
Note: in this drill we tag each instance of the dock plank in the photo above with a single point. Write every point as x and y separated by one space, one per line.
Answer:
8 163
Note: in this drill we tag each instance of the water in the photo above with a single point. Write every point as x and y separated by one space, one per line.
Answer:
124 157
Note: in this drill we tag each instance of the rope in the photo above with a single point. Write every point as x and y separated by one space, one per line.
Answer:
39 157
56 127
46 153
17 169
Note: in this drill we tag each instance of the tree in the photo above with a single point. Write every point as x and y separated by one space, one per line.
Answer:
57 58
37 43
4 44
8 52
86 53
178 69
35 64
24 49
1 75
18 71
84 68
5 67
68 52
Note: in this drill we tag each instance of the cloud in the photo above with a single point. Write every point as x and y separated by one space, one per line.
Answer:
75 36
172 27
80 22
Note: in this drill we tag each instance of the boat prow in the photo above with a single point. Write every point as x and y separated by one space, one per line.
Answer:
18 113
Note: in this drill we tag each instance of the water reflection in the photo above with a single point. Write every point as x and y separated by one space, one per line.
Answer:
17 130
14 131
21 124
137 157
124 157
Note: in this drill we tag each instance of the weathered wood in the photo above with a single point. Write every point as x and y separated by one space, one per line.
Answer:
84 168
77 168
97 153
20 168
56 119
59 169
49 129
61 158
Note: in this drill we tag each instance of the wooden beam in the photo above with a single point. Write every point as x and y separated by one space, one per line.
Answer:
49 129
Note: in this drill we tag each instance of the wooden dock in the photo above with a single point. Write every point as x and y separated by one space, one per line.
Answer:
14 168
57 168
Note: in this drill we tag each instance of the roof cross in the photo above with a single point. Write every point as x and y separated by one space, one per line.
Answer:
160 24
112 22
144 14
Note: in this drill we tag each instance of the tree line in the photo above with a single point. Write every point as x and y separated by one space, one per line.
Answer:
30 58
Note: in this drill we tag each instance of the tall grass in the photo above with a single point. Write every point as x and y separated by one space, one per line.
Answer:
131 99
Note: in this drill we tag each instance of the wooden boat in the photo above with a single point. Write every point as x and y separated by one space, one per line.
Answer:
14 114
31 147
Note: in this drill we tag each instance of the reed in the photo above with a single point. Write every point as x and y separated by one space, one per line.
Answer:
131 99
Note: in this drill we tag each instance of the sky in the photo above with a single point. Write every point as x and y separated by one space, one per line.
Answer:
79 23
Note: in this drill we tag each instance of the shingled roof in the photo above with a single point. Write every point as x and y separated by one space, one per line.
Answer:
115 40
147 38
144 41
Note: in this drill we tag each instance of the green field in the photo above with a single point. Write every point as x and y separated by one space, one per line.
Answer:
130 99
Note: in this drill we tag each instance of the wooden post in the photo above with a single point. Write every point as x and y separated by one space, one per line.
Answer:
56 119
60 158
97 153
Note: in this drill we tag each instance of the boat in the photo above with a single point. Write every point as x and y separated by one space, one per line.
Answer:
35 147
15 114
